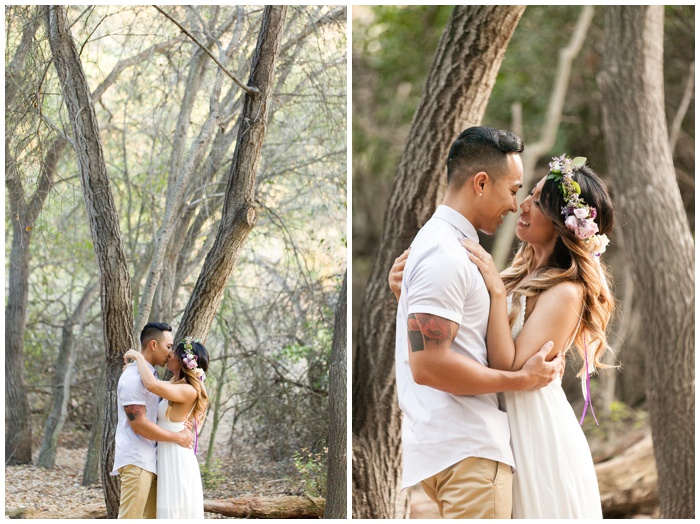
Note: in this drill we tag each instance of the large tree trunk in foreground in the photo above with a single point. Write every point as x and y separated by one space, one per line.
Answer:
336 496
239 214
455 96
658 239
115 286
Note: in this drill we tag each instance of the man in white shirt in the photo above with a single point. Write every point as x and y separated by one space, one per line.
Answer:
456 441
137 432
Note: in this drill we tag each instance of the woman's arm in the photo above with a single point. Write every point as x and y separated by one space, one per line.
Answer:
180 393
554 317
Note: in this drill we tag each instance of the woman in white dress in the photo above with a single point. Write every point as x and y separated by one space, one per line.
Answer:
184 398
556 289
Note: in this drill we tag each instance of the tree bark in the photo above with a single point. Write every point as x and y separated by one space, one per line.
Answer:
628 482
24 211
91 470
63 376
267 507
455 96
659 243
336 496
239 214
249 507
115 286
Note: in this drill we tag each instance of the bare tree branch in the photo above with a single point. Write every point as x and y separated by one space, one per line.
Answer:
248 89
548 132
675 128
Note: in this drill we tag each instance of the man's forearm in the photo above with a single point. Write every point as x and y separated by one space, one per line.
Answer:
459 375
152 431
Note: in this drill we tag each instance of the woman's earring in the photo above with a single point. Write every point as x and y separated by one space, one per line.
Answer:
480 194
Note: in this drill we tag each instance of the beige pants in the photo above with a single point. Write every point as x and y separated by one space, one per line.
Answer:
474 488
138 496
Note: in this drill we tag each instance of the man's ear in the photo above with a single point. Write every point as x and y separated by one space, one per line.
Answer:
479 181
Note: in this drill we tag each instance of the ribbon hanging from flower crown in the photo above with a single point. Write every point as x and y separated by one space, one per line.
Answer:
587 386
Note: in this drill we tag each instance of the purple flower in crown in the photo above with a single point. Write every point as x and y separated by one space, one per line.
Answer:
579 217
190 359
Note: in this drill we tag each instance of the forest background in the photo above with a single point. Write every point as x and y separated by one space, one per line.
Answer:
556 107
170 118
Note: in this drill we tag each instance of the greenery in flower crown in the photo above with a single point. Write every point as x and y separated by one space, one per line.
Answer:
190 359
579 217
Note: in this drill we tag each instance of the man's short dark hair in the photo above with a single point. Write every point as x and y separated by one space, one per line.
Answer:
153 330
480 148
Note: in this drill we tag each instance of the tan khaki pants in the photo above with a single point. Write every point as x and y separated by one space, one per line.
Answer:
474 488
138 496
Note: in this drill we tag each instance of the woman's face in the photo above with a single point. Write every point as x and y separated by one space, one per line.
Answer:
533 226
173 363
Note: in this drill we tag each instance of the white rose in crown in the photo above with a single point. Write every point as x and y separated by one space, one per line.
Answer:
597 244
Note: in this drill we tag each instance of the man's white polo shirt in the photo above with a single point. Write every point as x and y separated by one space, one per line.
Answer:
131 448
440 429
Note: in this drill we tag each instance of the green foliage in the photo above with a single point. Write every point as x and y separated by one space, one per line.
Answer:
313 469
212 476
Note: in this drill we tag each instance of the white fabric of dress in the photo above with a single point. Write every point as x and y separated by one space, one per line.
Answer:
554 476
179 480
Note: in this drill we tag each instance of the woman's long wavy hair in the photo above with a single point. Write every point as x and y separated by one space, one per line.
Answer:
187 375
570 262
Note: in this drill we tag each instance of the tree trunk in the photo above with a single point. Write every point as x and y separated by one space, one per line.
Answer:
628 482
18 422
336 496
63 376
455 96
24 212
91 470
268 507
239 214
244 508
115 286
658 239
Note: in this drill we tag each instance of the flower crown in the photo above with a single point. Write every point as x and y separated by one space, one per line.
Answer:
579 217
190 359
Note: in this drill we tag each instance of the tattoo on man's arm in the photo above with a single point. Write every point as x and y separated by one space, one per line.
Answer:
134 410
424 329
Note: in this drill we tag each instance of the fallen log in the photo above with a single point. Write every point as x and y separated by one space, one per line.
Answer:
246 507
268 507
628 483
87 511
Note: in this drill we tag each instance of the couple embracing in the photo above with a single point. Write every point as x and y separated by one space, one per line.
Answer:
156 439
487 429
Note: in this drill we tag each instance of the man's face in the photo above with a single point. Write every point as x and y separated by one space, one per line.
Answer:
163 347
499 195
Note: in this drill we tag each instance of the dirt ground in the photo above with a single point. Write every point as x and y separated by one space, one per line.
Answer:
60 489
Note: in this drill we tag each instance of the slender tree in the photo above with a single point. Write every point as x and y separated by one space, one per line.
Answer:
62 377
24 211
454 97
336 497
658 239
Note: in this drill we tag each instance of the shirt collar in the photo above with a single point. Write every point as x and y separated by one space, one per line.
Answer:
150 366
456 220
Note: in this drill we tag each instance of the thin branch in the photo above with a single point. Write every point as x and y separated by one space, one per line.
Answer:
249 89
675 128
